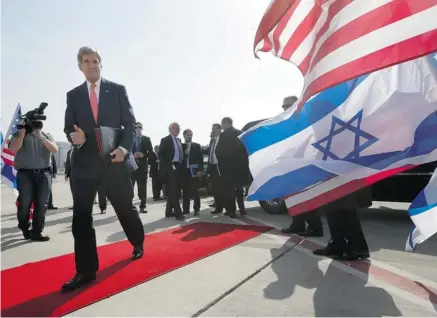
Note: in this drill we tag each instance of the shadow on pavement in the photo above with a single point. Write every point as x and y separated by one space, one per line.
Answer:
336 293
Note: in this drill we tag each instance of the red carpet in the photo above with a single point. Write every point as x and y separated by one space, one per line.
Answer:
34 289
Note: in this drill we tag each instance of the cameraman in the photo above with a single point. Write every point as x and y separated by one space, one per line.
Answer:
32 149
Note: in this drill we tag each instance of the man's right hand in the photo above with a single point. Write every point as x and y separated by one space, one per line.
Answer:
77 136
22 131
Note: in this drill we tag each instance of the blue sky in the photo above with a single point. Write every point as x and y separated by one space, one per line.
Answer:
189 61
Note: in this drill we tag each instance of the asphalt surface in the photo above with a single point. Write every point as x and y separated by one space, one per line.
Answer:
270 275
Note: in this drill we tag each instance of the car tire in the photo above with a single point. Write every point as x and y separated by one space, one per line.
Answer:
276 206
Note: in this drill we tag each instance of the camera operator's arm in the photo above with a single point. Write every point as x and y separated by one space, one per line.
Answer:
47 141
17 139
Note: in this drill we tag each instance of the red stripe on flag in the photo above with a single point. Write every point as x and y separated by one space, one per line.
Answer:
372 21
270 19
281 26
335 8
342 191
394 54
302 31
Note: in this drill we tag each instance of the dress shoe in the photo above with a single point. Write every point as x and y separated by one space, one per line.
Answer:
78 281
39 238
137 253
52 208
352 256
290 230
243 212
102 211
311 233
328 250
196 213
143 210
180 217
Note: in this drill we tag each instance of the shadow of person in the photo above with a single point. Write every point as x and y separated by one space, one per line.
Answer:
341 294
150 227
199 230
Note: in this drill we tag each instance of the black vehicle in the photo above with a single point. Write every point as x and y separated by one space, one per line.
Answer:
402 187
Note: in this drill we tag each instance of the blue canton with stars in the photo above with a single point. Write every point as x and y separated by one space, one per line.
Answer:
337 127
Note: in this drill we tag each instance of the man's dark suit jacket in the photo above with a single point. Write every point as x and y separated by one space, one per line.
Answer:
154 165
54 167
232 155
114 111
166 154
68 165
146 149
196 156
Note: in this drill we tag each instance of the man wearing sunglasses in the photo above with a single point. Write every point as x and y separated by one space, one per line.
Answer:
141 150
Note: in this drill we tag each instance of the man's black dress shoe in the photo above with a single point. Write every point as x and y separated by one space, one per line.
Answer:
311 233
39 238
180 217
290 230
137 253
78 281
352 256
328 250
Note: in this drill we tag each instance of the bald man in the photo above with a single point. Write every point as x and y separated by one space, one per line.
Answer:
170 157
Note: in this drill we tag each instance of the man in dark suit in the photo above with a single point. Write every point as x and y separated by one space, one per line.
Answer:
213 170
154 174
171 156
99 102
233 166
53 172
191 172
142 149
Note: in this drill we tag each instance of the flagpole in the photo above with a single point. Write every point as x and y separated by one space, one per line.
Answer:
8 132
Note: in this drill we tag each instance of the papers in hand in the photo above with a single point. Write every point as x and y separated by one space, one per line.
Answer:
193 169
108 139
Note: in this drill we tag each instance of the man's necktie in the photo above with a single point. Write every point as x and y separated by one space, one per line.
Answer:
180 154
138 144
93 101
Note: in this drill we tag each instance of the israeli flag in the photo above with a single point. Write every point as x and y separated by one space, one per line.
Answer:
356 130
423 213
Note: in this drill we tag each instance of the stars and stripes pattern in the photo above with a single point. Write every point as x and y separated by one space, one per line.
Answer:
332 41
8 173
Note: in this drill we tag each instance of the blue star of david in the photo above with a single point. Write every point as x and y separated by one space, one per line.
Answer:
356 129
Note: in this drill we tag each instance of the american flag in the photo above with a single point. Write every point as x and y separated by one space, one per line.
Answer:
8 173
332 41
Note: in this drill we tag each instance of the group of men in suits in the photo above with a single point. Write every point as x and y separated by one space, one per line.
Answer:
181 166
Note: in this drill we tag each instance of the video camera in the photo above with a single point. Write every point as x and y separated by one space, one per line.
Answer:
33 118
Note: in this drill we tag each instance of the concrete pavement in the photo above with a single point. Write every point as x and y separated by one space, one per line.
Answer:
270 275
